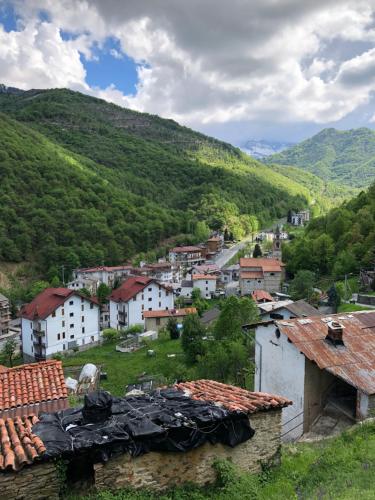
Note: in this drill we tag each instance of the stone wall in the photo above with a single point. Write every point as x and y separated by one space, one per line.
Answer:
36 482
161 470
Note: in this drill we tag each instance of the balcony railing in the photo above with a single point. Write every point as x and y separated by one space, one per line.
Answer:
39 332
41 345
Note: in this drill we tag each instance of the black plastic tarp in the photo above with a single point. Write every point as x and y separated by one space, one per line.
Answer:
165 420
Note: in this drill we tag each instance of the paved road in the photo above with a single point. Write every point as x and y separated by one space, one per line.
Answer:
227 253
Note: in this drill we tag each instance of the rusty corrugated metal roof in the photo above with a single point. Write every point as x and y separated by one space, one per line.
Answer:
353 362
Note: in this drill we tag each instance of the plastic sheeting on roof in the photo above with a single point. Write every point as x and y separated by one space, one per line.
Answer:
165 420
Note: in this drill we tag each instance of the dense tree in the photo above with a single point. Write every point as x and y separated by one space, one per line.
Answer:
235 313
103 292
302 285
9 350
192 341
334 299
87 182
172 328
257 251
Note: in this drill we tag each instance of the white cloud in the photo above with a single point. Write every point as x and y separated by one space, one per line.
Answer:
206 61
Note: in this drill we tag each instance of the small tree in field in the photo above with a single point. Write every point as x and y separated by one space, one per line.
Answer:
173 329
257 251
192 338
9 350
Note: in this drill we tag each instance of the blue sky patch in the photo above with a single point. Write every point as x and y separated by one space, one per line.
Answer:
8 17
111 66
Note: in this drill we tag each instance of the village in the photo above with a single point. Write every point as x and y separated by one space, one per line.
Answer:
312 373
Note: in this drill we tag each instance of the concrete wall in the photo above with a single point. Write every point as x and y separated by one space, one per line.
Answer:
280 369
36 482
162 470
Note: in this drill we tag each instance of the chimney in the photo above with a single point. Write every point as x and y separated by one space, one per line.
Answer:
335 331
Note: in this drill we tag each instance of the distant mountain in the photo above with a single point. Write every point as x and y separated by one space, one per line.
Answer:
262 148
10 90
85 181
347 157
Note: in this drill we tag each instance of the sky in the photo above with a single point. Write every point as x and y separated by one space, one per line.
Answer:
278 70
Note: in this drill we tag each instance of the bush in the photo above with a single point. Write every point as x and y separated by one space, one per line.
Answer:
110 335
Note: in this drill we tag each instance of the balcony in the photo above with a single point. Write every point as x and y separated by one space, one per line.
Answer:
38 332
40 345
39 357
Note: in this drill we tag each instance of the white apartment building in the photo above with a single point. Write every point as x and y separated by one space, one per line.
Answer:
136 295
206 283
58 319
102 274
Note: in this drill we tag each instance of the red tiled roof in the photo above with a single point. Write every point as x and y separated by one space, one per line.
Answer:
130 287
354 362
247 275
48 301
267 265
32 383
170 313
231 397
261 295
204 277
186 249
19 446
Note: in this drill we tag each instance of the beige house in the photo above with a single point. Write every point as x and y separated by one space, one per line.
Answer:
260 274
155 320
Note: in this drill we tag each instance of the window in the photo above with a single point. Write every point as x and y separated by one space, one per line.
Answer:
159 294
159 304
63 335
206 282
83 329
53 314
272 274
150 289
62 323
63 347
143 307
150 299
71 325
31 325
143 296
82 299
72 336
91 305
158 321
71 302
82 307
58 336
150 308
71 315
166 294
83 319
62 312
134 298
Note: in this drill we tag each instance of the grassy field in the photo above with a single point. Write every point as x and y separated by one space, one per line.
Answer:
341 468
125 368
351 308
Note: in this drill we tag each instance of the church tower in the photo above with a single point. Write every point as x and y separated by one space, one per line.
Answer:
276 246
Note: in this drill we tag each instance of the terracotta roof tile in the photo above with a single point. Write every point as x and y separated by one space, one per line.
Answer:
261 295
48 301
267 265
203 277
170 313
231 397
32 383
19 446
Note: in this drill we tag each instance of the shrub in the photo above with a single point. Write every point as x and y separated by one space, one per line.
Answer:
110 335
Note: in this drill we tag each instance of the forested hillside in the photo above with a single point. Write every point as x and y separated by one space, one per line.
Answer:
89 182
341 242
347 157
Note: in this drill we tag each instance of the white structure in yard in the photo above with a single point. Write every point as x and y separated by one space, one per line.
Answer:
318 362
56 320
136 295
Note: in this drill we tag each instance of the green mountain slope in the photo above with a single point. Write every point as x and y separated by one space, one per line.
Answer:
100 182
347 157
341 242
